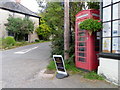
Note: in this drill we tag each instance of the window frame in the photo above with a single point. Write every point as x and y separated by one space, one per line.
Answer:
110 55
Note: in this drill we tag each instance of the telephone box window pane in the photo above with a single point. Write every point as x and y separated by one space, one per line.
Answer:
106 2
106 45
116 28
98 34
107 14
96 48
116 45
81 54
107 29
115 11
97 43
82 59
81 44
81 39
81 49
82 34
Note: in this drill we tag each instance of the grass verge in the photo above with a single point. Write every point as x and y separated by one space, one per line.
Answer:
18 44
70 67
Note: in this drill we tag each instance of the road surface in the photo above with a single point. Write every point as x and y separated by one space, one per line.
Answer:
22 67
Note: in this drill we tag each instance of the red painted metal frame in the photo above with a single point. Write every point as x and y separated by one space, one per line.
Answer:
90 61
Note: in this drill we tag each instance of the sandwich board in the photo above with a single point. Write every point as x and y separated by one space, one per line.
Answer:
60 66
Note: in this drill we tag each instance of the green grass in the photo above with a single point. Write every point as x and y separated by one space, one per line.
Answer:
70 67
51 65
93 75
19 44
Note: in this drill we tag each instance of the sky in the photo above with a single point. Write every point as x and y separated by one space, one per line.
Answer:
30 4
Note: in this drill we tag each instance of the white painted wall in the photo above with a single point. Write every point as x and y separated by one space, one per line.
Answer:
3 19
109 69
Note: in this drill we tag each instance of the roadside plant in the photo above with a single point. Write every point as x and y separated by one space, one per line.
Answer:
20 27
9 40
91 25
43 31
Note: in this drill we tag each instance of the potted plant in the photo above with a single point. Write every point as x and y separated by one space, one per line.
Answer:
91 25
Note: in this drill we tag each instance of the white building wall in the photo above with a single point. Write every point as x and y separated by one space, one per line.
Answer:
3 20
109 69
17 15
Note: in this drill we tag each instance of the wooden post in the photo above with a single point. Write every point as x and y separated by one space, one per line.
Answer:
66 29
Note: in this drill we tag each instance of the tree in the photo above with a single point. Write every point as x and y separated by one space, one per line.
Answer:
75 7
44 31
19 27
53 16
93 5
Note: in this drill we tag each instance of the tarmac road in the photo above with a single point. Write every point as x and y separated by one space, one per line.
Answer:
21 68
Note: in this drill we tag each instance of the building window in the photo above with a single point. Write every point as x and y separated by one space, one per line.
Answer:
10 33
26 16
110 38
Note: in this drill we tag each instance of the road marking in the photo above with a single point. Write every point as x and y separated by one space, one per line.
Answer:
25 50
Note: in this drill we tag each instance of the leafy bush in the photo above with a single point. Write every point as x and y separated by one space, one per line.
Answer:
43 30
9 41
58 43
91 25
36 40
20 27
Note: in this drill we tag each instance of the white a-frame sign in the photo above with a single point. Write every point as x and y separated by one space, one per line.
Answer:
60 66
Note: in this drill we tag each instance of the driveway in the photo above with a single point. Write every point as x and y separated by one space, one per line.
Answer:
22 67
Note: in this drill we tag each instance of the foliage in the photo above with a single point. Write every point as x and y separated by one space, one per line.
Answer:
19 27
69 65
93 75
93 5
51 65
58 43
8 41
91 25
54 18
21 43
44 30
75 7
36 40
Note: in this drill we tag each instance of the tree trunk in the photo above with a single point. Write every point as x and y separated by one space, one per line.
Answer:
66 29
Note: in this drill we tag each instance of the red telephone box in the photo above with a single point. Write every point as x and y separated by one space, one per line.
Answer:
86 45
